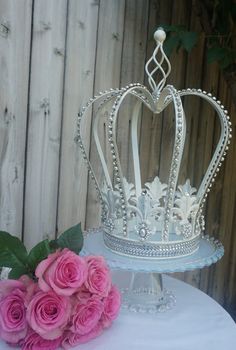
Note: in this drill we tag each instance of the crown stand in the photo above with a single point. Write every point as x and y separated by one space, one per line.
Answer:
159 228
141 279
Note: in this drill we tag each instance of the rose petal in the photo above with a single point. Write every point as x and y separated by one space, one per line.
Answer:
71 339
48 314
42 268
6 287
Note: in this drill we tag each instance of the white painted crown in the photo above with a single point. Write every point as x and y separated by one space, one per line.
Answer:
156 220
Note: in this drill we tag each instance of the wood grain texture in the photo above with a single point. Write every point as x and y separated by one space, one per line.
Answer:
204 154
224 212
151 126
108 65
15 33
132 70
44 124
179 15
192 108
79 80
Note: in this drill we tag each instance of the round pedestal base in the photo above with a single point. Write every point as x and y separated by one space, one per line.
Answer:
147 301
143 292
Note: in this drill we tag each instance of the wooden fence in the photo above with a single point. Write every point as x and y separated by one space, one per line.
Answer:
56 54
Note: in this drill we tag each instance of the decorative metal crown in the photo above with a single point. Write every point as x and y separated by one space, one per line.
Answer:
156 220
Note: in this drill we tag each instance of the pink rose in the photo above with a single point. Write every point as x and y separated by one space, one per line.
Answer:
31 288
111 306
72 339
86 316
7 286
99 278
48 313
33 341
63 271
82 295
13 324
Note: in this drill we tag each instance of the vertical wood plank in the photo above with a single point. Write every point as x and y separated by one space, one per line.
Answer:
230 221
204 154
180 15
79 80
178 60
15 33
44 126
230 281
214 202
107 75
192 108
226 200
132 70
159 13
230 290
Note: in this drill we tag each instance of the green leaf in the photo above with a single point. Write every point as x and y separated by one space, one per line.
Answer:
53 245
12 252
39 253
188 40
216 54
213 41
72 239
170 44
227 60
172 28
16 272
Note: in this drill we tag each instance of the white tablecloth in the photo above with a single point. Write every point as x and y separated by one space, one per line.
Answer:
196 322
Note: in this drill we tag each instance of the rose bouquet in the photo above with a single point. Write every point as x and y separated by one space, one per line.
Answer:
54 297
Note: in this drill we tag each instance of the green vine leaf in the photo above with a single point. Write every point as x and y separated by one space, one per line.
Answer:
188 40
178 36
172 43
216 54
227 60
173 28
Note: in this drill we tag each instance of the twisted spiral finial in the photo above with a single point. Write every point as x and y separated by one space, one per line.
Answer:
159 37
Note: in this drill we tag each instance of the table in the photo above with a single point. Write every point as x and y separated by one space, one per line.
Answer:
197 322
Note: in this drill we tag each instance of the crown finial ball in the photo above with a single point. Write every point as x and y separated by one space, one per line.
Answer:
159 35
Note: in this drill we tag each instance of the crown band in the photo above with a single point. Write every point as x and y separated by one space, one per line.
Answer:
147 250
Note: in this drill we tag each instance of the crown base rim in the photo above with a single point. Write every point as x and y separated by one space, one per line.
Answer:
149 250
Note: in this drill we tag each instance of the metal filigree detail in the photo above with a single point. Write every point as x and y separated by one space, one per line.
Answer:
158 65
143 231
156 190
185 209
